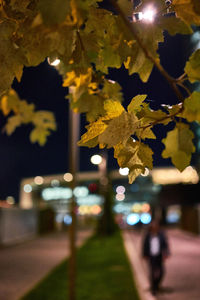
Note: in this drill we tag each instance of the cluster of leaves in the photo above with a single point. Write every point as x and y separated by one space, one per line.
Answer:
89 40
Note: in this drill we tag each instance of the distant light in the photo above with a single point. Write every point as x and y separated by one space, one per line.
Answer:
68 177
124 171
145 218
148 15
67 219
10 200
39 180
96 159
173 217
59 218
54 63
56 193
27 188
137 207
132 219
120 189
96 209
81 191
120 197
146 172
55 182
145 207
90 200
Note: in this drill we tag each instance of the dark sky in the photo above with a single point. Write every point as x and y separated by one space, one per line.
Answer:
43 86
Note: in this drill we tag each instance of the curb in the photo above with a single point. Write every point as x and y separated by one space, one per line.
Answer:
140 278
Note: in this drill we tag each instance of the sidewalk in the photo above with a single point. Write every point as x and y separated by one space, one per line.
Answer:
22 266
181 280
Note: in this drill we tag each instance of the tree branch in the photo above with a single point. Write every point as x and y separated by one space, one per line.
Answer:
170 80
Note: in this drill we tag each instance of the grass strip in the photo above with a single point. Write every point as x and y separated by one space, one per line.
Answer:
103 274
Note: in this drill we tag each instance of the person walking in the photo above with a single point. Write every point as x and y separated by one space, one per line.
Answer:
155 250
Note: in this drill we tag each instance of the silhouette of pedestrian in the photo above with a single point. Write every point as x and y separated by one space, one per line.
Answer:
155 251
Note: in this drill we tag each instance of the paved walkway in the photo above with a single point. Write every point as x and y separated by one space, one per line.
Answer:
182 277
22 266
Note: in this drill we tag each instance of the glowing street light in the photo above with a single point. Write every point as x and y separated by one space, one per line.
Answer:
148 15
96 159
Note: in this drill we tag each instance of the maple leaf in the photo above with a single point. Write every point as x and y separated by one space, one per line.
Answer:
179 146
191 110
134 155
136 102
192 68
187 11
119 129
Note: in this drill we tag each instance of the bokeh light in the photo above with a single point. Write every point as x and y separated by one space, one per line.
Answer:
27 188
133 219
120 189
145 218
68 177
96 159
124 171
39 180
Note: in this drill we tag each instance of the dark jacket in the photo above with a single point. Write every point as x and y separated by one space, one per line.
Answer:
164 248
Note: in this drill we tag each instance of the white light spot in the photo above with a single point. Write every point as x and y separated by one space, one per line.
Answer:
81 191
124 171
27 188
68 177
39 180
10 200
96 159
54 63
146 172
120 197
133 219
120 189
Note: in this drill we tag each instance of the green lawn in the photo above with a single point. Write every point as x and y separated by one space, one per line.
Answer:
103 274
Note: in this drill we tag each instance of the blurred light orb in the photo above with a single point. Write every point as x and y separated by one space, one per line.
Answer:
148 15
146 172
133 219
136 207
10 200
68 177
39 180
124 171
96 159
59 218
145 207
95 209
120 197
55 182
27 188
145 218
120 189
67 219
54 63
81 191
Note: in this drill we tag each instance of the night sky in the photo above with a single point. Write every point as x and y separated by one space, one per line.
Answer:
42 85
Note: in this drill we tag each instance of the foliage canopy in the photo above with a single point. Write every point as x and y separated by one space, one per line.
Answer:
88 40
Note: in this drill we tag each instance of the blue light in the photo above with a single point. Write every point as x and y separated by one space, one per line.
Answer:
67 219
173 217
132 219
145 218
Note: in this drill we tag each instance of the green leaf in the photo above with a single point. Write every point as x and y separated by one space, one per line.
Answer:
136 103
174 25
134 155
39 135
179 146
119 130
192 68
54 12
12 123
126 6
93 130
187 10
191 110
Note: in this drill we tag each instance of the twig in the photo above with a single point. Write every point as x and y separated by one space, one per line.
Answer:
170 80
